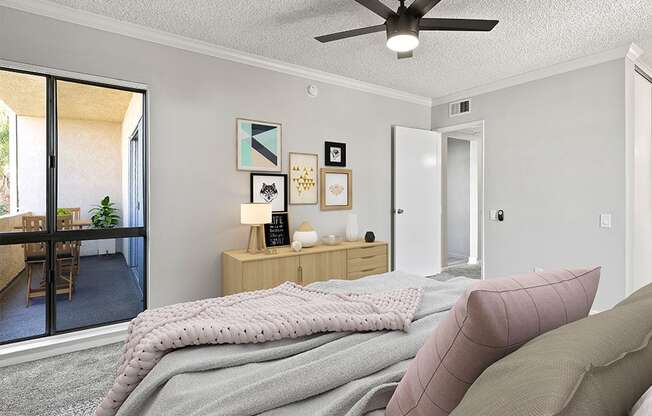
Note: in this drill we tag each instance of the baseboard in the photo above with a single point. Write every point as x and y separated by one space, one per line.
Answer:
36 349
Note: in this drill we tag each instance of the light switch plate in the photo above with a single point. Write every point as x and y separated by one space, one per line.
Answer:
493 215
605 220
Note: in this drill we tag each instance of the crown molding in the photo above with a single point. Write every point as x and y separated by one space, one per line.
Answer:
80 17
634 54
583 62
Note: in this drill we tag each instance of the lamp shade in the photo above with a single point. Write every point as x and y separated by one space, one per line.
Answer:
255 214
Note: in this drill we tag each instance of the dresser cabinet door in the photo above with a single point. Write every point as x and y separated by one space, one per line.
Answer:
323 266
265 274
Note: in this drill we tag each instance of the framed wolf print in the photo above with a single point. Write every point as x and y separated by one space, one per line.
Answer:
336 189
303 178
270 188
259 145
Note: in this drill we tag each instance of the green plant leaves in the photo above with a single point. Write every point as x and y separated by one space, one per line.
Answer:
104 215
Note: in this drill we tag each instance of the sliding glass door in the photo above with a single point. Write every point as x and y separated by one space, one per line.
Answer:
72 204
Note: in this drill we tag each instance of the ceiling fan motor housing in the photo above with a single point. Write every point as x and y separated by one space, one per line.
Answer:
402 24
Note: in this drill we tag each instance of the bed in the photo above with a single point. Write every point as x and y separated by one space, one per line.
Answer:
339 373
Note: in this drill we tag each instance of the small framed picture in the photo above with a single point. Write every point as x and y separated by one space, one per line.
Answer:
259 145
335 154
277 233
303 178
336 189
270 188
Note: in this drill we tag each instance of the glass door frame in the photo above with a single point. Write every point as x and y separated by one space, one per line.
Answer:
52 236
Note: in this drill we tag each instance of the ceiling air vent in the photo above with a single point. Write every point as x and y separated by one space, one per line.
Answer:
459 107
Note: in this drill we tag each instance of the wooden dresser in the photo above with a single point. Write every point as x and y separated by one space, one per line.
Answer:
243 272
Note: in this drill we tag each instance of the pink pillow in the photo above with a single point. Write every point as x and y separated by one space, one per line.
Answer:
491 320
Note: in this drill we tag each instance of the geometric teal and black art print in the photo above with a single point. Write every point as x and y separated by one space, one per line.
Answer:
259 145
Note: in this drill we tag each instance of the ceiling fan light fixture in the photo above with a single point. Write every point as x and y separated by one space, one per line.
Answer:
403 42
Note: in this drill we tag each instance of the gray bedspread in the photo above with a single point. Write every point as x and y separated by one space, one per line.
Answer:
331 374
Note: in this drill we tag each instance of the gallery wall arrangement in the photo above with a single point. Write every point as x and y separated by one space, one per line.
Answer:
259 145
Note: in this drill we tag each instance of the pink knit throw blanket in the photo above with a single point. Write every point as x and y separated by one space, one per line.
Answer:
286 311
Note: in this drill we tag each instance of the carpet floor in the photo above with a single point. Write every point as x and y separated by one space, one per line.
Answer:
66 385
73 384
105 291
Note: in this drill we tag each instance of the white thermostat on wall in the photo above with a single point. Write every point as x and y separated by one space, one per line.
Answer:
312 90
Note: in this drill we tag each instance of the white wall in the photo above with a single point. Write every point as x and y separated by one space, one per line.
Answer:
195 189
30 159
89 162
555 160
458 190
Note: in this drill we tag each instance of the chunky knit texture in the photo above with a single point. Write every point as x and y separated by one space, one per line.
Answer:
286 311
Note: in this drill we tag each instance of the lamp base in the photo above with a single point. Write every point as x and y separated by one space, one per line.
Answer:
256 239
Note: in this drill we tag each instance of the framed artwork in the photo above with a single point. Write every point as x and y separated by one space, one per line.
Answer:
259 145
336 189
335 154
277 233
270 188
303 178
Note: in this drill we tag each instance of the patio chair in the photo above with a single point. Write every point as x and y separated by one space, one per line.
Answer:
76 216
66 257
35 254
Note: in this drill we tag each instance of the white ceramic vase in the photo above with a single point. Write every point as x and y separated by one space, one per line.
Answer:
306 235
352 232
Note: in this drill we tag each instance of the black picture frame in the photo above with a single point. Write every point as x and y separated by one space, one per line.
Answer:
332 160
277 233
254 195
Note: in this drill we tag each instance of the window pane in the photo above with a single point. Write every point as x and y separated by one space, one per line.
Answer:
102 281
23 147
100 154
22 310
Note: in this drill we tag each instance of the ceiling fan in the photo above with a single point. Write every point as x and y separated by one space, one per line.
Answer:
404 25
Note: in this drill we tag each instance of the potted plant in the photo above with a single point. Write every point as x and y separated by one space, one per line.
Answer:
104 216
63 212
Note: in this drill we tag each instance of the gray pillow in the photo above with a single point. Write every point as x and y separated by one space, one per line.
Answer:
597 366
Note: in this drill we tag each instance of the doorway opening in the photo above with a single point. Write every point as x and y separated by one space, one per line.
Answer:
462 199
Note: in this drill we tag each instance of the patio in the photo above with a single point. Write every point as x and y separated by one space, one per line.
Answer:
99 155
105 291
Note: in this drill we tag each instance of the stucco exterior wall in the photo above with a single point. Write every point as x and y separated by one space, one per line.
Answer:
89 161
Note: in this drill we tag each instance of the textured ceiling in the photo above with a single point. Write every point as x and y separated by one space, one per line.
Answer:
532 34
25 95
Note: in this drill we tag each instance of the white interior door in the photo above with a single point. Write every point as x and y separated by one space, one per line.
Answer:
417 201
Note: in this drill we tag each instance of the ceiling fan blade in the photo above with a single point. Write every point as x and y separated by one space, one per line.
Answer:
420 7
403 55
472 25
377 7
350 33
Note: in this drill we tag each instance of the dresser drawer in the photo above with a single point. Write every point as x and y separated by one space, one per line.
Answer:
367 272
366 263
370 251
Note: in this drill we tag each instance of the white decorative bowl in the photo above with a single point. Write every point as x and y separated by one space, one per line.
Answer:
331 240
307 238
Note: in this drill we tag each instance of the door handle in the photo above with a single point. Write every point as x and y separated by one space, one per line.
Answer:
398 211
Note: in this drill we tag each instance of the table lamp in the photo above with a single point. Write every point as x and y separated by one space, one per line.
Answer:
256 215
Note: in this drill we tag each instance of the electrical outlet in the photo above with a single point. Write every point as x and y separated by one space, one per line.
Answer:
493 215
